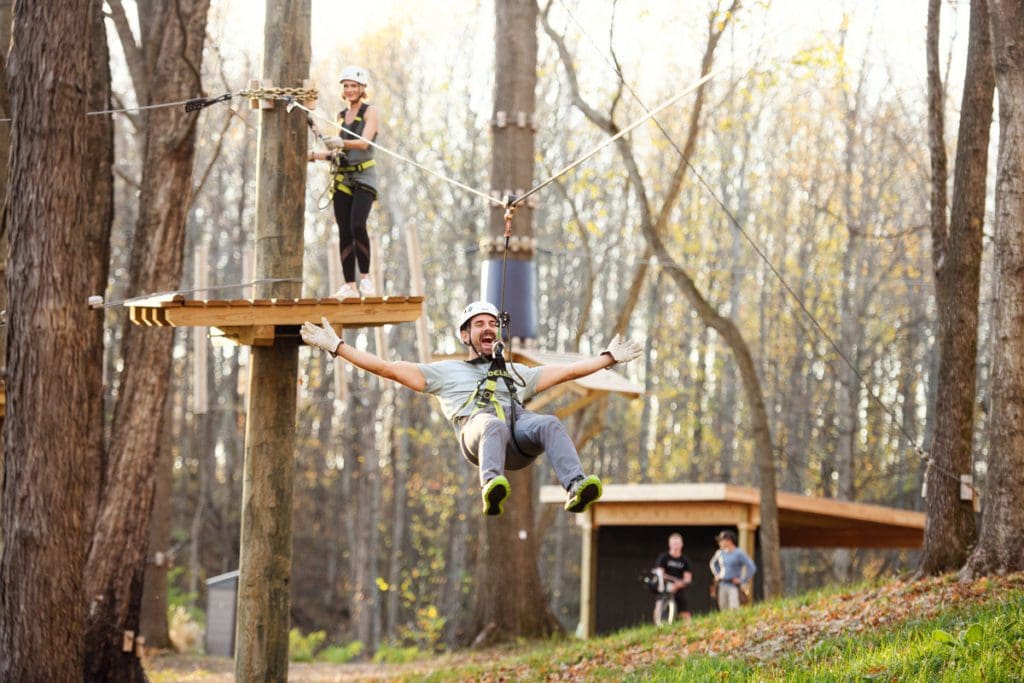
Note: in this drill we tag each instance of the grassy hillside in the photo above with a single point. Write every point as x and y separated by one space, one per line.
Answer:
932 630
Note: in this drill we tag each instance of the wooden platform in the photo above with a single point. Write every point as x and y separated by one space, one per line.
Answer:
258 321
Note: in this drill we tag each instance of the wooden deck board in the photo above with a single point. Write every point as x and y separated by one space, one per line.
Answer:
239 313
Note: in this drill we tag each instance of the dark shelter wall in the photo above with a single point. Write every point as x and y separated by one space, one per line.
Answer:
625 553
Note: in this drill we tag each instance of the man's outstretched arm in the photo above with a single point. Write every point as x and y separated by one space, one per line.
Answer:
324 337
618 351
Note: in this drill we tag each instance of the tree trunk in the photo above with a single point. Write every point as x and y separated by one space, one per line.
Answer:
266 547
400 467
1000 548
847 386
117 557
5 153
59 236
366 598
153 610
956 257
654 228
453 600
509 594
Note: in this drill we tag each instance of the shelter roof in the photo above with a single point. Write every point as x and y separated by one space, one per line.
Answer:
804 521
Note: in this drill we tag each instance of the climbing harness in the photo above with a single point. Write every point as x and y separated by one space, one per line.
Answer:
404 159
485 395
340 165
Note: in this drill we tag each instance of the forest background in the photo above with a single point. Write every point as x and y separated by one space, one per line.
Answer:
818 145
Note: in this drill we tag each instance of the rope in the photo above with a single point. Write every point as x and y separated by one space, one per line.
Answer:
928 460
174 292
398 156
161 105
649 115
197 103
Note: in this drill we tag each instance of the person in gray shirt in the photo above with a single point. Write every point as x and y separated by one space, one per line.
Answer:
482 409
731 567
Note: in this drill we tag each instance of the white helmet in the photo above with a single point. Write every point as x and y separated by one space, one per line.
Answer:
355 73
475 309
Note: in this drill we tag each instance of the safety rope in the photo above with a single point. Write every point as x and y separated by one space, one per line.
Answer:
197 103
928 460
398 156
93 303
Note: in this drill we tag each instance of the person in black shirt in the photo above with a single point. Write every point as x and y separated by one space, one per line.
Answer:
675 570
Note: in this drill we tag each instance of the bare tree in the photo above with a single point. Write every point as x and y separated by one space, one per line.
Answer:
57 71
165 66
5 152
1001 545
509 594
956 259
654 228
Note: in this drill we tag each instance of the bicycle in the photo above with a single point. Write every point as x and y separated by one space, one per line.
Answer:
665 601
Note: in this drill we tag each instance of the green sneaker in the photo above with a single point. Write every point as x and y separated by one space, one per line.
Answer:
583 492
495 492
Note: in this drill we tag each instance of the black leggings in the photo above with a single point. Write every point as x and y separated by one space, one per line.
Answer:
351 212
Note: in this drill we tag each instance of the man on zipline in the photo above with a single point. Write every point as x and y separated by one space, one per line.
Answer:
494 430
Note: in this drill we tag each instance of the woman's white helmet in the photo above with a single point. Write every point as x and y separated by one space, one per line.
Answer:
355 73
475 309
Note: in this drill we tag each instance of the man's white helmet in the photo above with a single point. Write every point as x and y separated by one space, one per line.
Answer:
355 73
475 309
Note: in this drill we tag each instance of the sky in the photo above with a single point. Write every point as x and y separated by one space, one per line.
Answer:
650 35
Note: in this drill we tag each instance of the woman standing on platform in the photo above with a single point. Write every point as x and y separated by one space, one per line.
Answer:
354 180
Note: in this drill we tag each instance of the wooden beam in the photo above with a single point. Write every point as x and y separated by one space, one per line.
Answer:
851 536
579 404
665 513
251 335
552 394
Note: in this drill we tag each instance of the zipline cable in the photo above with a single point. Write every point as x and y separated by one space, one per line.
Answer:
628 129
928 460
396 155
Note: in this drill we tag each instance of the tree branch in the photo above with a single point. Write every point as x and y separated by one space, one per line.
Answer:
132 51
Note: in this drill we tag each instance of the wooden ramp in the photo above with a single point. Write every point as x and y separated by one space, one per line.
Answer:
257 322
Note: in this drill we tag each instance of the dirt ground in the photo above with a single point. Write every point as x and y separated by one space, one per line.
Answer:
174 668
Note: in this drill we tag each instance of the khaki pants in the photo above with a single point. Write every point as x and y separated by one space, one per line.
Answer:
728 596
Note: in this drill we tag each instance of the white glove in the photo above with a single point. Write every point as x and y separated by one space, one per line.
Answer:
623 350
334 143
321 337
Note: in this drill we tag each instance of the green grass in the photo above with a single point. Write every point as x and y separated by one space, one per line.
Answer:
936 630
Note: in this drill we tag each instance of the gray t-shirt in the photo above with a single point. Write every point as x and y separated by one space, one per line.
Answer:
453 382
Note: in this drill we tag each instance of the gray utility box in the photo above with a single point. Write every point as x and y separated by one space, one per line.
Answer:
221 601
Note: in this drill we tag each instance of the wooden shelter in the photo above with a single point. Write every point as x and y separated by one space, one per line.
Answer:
584 390
256 322
624 532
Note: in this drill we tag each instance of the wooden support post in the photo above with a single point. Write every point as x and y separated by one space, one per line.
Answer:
748 543
379 340
334 279
261 651
412 239
200 357
588 577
